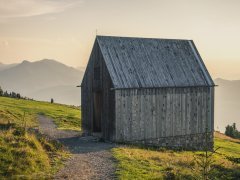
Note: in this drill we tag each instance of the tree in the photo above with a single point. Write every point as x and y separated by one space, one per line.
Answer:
5 94
205 161
52 101
231 131
18 96
1 91
14 95
11 94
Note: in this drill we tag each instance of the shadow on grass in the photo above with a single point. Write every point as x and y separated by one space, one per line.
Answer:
7 126
220 172
80 145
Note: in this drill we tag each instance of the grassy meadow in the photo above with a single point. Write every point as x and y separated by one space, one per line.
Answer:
13 110
27 154
140 163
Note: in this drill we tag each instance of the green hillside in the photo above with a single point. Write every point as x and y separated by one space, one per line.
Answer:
65 117
25 154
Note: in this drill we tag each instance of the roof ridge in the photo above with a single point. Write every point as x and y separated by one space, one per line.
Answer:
132 37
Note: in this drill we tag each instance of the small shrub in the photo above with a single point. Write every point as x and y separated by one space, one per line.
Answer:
231 131
19 131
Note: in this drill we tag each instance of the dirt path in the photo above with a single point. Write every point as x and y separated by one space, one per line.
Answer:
90 160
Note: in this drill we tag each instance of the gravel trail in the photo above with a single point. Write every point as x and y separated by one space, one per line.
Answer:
90 159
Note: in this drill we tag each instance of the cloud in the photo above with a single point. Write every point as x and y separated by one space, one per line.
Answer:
27 8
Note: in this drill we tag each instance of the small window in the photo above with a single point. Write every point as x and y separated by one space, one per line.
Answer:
97 73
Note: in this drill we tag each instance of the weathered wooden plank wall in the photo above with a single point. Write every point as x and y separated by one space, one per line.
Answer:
86 94
143 114
108 108
102 84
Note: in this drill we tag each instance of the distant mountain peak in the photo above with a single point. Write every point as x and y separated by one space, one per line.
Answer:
38 79
48 60
25 62
41 62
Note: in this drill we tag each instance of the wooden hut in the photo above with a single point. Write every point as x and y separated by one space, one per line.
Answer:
151 91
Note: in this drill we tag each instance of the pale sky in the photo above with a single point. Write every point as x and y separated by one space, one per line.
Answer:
64 30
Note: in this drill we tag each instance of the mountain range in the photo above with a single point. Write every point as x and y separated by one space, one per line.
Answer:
6 66
43 80
46 79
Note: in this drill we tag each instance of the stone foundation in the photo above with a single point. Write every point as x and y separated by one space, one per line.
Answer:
185 142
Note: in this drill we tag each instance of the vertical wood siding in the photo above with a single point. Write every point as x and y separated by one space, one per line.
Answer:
89 86
143 114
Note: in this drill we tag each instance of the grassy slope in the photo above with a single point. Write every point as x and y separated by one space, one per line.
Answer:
65 117
19 152
28 155
136 163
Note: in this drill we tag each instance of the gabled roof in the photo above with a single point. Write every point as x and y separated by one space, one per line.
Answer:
152 63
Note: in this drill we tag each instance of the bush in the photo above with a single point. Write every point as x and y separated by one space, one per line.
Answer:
232 131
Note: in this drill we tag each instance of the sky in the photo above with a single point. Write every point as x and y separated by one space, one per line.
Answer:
65 30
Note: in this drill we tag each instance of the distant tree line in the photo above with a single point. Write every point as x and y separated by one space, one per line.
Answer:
12 94
231 130
1 91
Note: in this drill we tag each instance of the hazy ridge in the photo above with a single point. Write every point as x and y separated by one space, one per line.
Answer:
6 66
43 80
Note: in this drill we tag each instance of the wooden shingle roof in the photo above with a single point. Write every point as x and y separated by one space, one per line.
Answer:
152 63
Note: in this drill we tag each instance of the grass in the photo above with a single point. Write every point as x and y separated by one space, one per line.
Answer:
65 117
139 163
27 154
